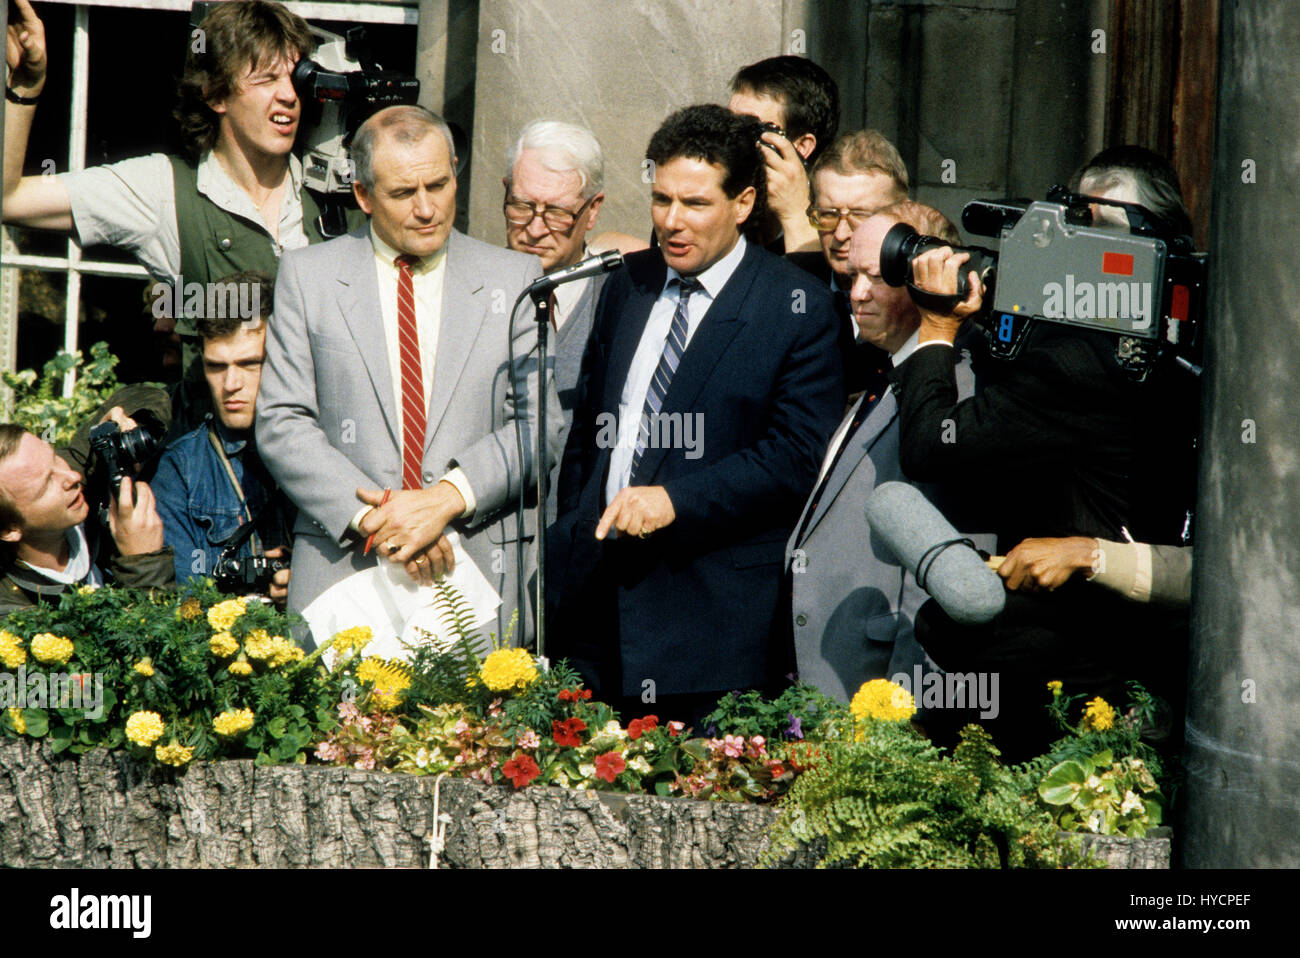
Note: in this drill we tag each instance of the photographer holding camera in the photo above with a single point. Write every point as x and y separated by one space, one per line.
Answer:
46 544
1066 441
222 512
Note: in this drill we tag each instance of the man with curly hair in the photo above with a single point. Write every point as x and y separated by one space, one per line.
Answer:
709 389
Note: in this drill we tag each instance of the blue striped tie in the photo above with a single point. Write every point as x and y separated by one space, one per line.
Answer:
674 346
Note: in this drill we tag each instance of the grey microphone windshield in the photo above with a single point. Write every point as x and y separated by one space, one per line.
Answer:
925 543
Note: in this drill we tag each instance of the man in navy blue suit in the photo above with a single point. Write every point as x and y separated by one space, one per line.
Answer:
709 390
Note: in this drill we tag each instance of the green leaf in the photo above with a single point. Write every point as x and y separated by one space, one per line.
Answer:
276 727
38 723
61 737
1062 783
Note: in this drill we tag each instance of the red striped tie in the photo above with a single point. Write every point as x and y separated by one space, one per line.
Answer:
408 349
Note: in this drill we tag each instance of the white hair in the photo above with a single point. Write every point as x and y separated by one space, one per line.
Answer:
562 148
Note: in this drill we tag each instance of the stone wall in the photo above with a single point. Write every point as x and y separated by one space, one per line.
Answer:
105 810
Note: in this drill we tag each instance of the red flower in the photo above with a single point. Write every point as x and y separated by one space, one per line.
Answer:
566 695
776 768
521 770
586 694
675 728
609 766
566 733
637 727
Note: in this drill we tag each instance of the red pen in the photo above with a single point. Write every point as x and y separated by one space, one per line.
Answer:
370 539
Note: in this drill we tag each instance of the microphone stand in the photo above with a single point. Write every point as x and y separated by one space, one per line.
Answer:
542 316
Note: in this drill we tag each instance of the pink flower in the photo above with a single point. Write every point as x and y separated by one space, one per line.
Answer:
529 739
460 728
367 760
328 752
733 746
483 775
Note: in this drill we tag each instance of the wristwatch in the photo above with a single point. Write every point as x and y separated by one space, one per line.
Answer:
13 97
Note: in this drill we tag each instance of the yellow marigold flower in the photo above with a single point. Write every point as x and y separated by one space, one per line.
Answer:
257 644
1098 716
51 649
173 754
282 652
1054 687
384 699
144 728
223 615
189 609
12 653
223 645
233 722
86 589
368 669
240 667
145 667
353 640
20 724
884 700
507 669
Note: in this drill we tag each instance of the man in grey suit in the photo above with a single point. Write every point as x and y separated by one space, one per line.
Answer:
553 182
852 605
389 403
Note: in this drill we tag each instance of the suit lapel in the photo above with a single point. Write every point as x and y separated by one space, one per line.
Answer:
633 316
462 315
716 331
860 443
358 303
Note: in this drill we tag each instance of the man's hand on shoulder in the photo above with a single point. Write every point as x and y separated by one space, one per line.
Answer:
637 511
133 519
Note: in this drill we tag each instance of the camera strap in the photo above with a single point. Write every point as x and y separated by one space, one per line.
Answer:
215 440
934 302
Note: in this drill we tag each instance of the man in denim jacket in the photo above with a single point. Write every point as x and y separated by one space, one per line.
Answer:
201 506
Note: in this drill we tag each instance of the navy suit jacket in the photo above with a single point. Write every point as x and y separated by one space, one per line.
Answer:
695 604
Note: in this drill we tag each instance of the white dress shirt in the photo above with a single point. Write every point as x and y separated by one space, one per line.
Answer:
645 361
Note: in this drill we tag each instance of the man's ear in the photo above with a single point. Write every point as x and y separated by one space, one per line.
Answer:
363 197
744 204
12 534
804 145
593 209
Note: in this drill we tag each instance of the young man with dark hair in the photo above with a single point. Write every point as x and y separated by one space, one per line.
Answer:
709 388
802 101
211 482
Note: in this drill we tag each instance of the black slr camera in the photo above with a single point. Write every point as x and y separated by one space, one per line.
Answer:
243 575
121 451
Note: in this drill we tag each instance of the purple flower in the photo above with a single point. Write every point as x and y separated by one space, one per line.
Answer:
796 727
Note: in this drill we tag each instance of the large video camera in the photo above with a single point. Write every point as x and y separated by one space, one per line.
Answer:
340 86
1146 285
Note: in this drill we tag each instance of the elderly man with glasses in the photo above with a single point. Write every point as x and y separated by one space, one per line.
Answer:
859 174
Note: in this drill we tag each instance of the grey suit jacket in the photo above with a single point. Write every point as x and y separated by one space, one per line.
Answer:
853 607
326 422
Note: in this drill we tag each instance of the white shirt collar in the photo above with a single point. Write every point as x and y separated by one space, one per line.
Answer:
215 183
389 255
717 275
907 348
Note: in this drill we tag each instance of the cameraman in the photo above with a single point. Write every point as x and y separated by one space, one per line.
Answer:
211 482
1061 440
46 546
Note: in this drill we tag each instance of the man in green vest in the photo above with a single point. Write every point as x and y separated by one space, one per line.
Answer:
235 201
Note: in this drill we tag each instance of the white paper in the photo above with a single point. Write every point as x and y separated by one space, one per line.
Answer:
387 600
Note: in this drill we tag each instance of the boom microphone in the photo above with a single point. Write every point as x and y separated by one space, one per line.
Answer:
591 266
927 545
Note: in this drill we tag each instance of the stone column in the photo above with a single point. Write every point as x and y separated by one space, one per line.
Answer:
1243 722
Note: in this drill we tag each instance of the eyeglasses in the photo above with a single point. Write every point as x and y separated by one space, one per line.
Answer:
827 220
557 219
